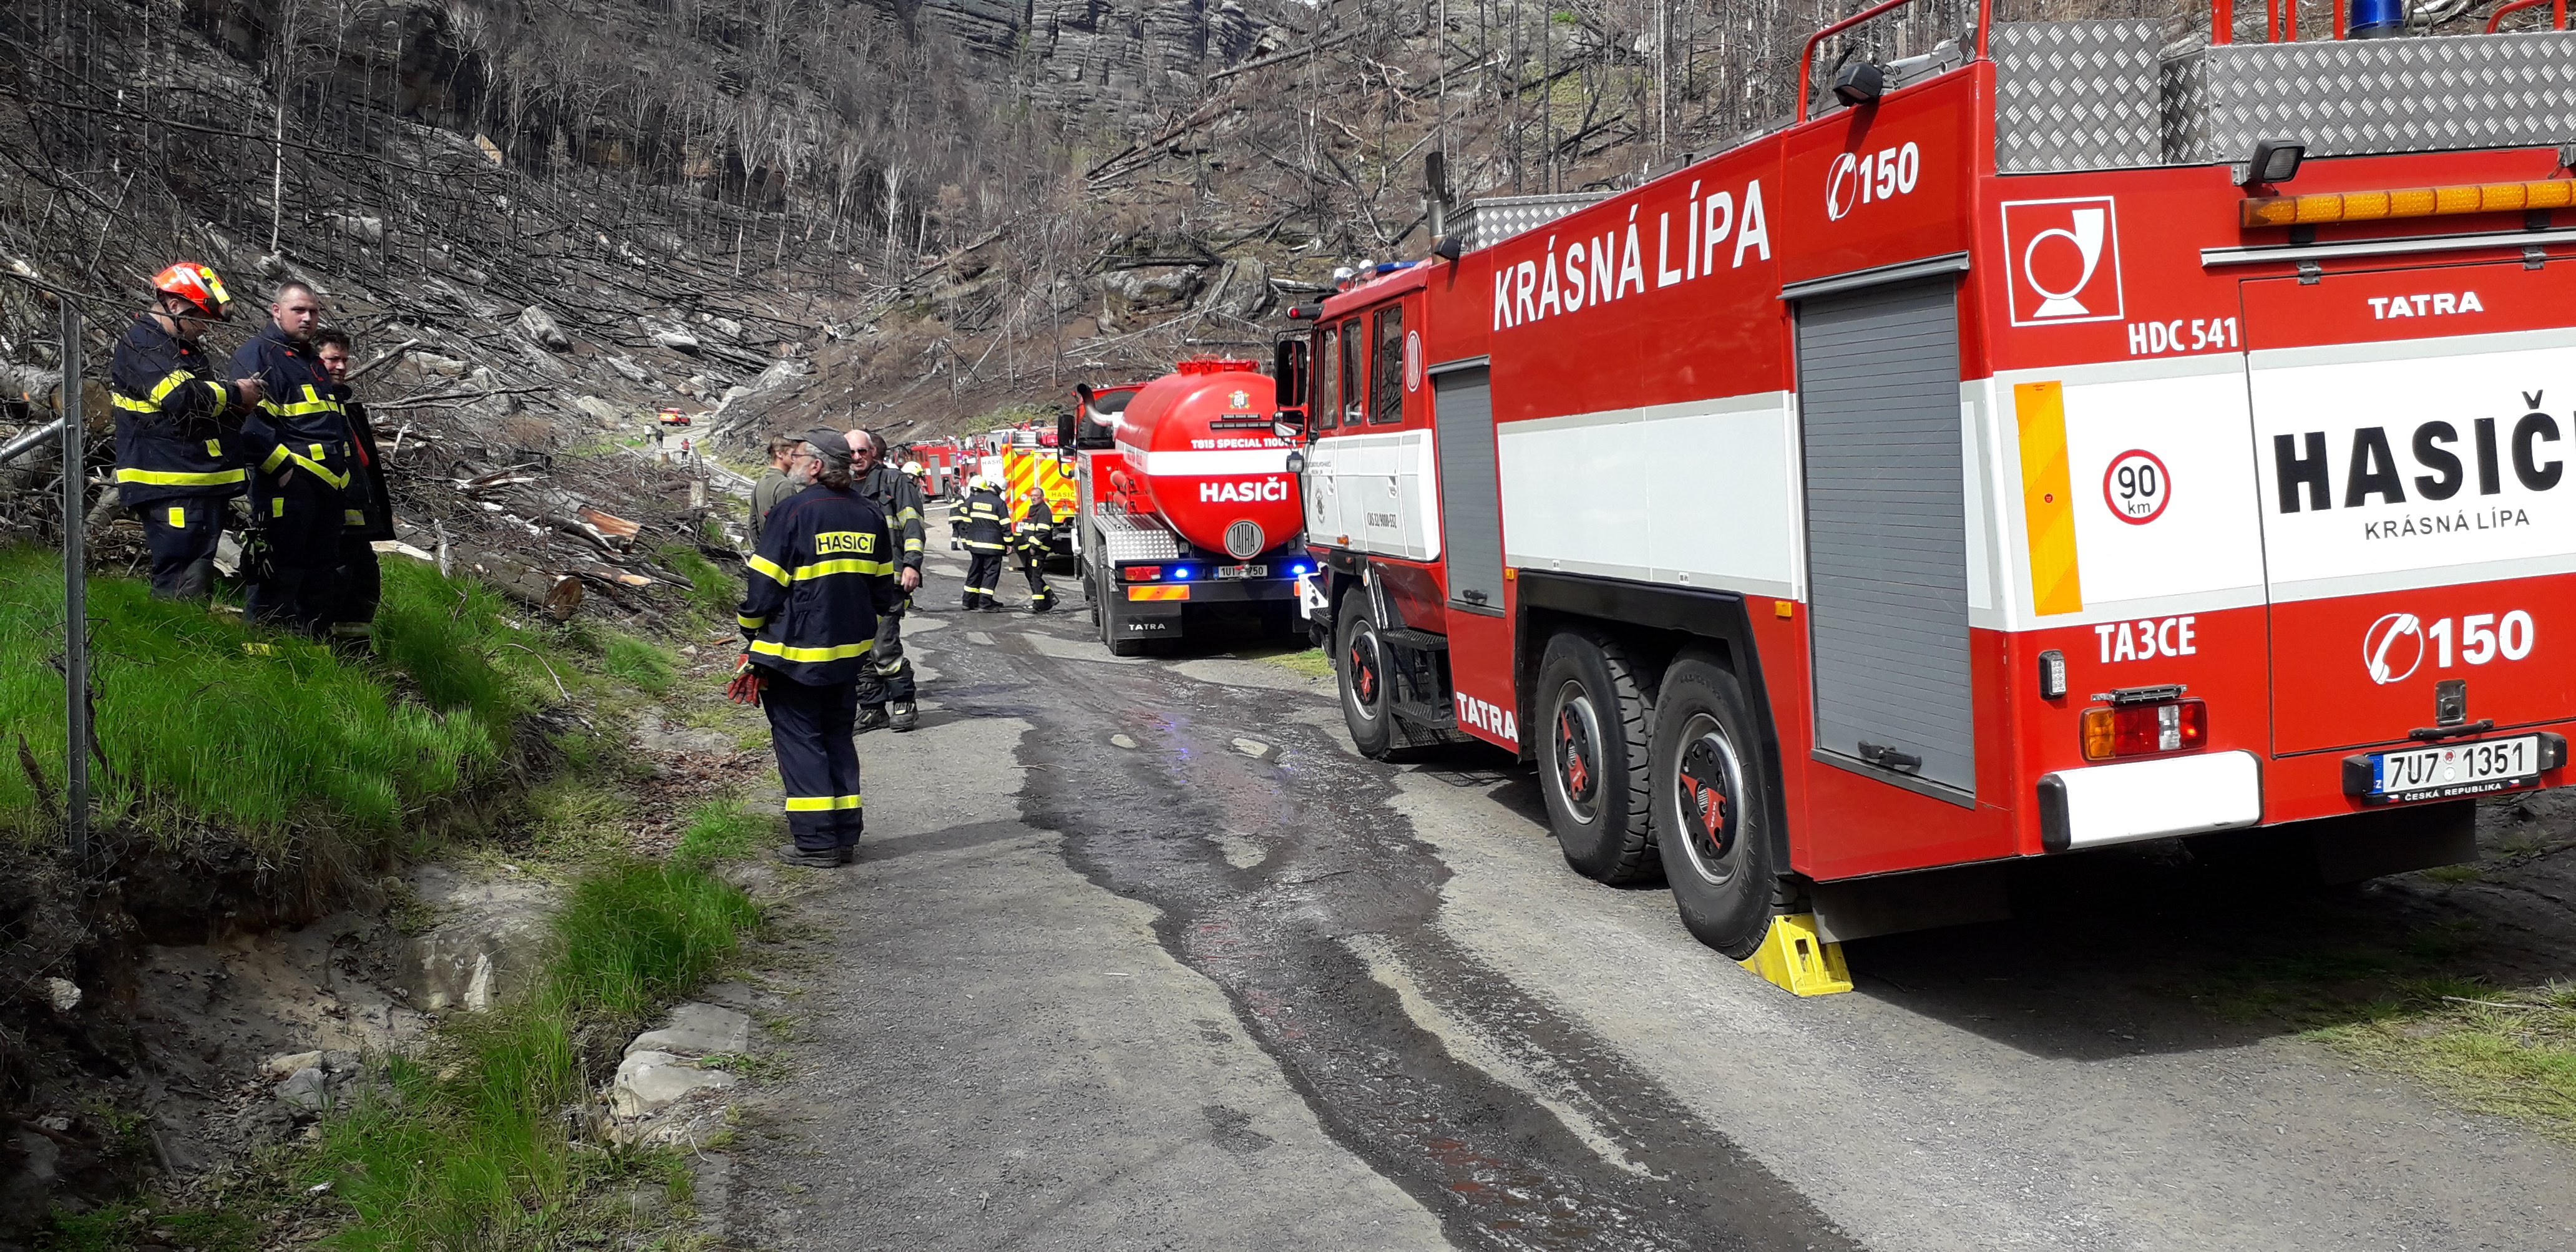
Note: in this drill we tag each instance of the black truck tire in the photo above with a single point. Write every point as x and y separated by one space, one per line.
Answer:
1592 759
1712 817
1359 670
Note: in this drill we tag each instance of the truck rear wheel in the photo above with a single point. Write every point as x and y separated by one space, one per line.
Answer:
1711 819
1592 764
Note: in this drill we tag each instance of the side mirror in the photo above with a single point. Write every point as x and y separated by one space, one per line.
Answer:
1289 424
1064 420
1288 372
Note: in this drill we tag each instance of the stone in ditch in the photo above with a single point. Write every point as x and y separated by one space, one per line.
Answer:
649 1082
697 1030
285 1064
305 1090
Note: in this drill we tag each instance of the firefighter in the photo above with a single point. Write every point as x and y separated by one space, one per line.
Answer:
178 429
888 701
823 577
298 448
772 487
1036 538
367 506
978 524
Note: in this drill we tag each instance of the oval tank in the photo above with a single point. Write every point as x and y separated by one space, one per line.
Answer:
1201 452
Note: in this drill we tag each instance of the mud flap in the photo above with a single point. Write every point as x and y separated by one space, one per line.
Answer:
1794 958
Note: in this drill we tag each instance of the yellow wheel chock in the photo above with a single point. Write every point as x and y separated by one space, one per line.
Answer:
1797 961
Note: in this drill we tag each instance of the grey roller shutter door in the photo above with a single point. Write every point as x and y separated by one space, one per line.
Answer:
1887 568
1470 515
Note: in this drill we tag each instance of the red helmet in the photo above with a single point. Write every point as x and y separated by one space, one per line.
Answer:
196 284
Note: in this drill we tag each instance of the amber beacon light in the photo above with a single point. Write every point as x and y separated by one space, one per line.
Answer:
2378 206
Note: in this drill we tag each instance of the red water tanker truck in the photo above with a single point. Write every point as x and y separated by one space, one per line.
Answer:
1187 505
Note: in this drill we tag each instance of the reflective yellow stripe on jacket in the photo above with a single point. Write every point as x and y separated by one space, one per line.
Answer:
842 565
170 382
837 652
172 478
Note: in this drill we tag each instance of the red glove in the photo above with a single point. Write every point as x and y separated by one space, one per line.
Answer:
745 687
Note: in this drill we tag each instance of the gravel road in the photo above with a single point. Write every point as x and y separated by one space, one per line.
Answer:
1139 954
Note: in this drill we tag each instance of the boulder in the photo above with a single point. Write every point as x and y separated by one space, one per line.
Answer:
676 339
1157 289
542 329
307 1090
63 993
649 1082
628 369
606 413
285 1064
490 939
697 1030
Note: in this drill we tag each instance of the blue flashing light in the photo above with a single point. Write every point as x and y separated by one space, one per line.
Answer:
1298 570
1180 573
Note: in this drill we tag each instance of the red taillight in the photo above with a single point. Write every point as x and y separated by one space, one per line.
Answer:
1141 573
2145 729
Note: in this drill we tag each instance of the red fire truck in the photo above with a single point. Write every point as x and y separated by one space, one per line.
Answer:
2056 440
1185 505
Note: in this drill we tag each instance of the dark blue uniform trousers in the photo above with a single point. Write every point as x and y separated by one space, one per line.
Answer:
814 730
303 528
180 534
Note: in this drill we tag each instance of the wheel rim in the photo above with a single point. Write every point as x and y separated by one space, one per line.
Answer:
1578 751
1708 786
1367 672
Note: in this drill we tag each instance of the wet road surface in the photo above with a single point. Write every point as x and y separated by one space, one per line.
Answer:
1139 954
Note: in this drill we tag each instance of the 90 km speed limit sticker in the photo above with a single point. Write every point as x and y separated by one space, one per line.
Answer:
2136 487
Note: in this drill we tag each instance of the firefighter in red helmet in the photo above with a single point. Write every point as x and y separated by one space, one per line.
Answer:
177 424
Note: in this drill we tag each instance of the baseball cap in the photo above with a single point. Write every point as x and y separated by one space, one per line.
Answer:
831 443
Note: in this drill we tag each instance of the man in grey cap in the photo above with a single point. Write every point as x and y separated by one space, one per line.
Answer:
898 496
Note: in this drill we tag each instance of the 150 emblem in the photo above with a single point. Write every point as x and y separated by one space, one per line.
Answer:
2394 646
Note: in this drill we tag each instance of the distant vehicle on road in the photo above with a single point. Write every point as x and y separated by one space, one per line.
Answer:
1187 502
674 417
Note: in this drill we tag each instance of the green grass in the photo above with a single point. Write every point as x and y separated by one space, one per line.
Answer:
464 1145
722 830
1311 662
201 721
647 667
2507 1053
119 1226
712 592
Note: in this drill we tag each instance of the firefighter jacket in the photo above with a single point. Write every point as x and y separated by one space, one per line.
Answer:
301 431
178 428
822 574
899 498
979 522
368 503
1037 528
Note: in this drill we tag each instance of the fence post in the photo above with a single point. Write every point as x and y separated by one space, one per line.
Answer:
75 589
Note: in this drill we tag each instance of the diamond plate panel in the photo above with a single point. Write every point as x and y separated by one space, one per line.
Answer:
1496 218
2075 96
2370 96
1127 537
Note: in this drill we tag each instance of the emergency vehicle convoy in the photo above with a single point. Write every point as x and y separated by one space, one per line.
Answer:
1186 502
1031 471
2045 445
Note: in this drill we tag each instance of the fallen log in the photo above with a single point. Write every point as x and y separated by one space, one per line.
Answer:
557 595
